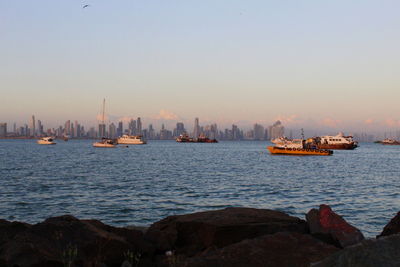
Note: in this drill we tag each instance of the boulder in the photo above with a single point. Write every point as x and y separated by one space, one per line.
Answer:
393 227
64 240
332 228
279 249
192 233
368 253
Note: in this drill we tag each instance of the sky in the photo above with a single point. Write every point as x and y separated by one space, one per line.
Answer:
311 63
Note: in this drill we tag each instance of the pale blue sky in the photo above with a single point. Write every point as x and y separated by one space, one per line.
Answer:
307 62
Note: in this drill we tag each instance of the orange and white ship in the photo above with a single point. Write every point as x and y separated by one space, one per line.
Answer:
285 146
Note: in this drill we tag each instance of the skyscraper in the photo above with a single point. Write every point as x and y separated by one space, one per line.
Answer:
276 130
139 126
40 127
180 129
33 126
67 127
112 131
132 127
258 132
196 129
120 129
3 129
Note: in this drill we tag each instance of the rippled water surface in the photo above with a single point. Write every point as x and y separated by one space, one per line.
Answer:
139 185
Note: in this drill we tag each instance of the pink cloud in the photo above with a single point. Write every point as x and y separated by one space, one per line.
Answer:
369 121
166 115
329 122
290 119
392 123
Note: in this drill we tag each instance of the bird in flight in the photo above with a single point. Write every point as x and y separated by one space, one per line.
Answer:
85 6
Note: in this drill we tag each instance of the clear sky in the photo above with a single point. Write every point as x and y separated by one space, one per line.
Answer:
309 63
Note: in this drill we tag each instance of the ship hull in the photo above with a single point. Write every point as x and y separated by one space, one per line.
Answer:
337 146
299 151
131 142
103 145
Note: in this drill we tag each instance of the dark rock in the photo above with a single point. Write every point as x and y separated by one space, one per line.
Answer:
280 249
193 233
393 227
66 239
331 228
368 253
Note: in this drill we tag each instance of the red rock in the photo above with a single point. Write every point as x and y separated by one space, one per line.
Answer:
192 233
279 249
393 227
332 228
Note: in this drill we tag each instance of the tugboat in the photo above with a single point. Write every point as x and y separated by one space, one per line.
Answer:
287 146
338 141
131 140
46 141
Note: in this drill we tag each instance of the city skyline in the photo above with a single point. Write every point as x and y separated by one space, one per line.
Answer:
309 64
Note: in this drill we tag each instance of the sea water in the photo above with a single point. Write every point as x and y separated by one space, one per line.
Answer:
138 185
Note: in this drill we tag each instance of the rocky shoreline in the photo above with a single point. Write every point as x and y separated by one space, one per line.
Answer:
228 237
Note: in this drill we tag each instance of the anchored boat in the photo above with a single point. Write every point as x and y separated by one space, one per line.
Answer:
131 140
287 146
46 141
338 141
105 142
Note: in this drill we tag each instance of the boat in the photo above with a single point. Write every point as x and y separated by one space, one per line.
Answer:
285 146
131 140
299 151
105 142
204 139
184 138
46 141
388 141
338 141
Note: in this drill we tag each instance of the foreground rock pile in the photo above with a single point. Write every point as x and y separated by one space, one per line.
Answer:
229 237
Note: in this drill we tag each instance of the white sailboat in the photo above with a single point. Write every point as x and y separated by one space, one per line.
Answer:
104 142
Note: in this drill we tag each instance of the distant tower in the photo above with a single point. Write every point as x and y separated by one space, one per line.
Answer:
276 130
120 129
102 124
67 127
3 129
196 130
33 126
139 126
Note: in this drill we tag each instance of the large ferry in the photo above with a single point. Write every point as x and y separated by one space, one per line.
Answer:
184 138
338 141
287 146
131 140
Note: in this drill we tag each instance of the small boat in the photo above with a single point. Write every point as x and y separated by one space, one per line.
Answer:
105 142
388 141
184 138
46 141
204 139
131 140
285 146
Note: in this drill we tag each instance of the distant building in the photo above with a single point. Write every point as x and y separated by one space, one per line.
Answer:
3 129
259 133
120 128
102 130
132 127
276 130
139 126
196 129
112 131
33 126
180 129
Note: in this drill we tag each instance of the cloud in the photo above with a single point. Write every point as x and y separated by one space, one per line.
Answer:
392 123
369 121
329 122
290 119
166 115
